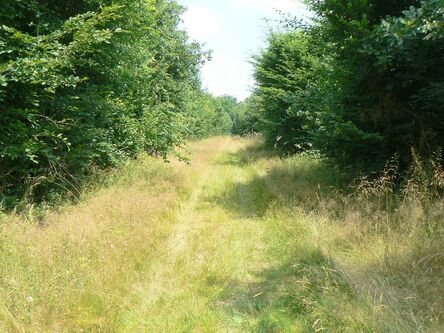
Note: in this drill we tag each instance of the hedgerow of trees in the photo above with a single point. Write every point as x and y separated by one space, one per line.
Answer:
87 84
209 116
363 83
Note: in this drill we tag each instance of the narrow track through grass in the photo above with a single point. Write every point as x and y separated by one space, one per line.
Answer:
238 241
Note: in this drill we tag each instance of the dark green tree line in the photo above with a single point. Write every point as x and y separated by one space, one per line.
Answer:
363 83
208 115
87 84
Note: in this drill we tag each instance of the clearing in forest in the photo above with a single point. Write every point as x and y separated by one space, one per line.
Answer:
226 244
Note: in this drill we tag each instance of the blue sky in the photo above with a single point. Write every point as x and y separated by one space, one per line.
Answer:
233 30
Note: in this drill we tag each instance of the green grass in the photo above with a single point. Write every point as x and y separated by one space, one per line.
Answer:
239 241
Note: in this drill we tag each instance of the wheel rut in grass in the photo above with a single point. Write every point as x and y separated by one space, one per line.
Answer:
217 245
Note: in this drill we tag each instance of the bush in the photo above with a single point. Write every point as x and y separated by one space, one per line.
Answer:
86 85
362 84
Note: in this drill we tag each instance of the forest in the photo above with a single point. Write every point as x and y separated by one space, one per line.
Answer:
134 200
362 85
86 85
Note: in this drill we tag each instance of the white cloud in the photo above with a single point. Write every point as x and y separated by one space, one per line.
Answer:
227 76
232 28
201 23
270 6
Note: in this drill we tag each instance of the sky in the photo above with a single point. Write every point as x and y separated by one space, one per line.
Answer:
234 30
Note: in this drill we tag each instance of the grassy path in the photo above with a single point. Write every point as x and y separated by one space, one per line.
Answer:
224 268
237 241
212 250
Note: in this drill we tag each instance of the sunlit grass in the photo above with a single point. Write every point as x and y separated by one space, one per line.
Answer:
238 241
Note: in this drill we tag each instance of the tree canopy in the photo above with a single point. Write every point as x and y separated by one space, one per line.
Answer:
88 84
362 84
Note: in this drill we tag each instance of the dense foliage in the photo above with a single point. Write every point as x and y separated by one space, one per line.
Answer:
88 84
363 83
209 116
283 73
246 116
85 85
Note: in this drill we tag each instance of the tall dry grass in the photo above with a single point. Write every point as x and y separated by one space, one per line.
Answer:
72 268
239 240
385 241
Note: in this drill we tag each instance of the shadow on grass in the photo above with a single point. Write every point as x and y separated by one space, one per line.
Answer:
305 294
305 289
251 154
302 180
249 200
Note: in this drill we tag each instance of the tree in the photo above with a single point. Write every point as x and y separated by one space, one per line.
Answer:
86 85
362 84
282 71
